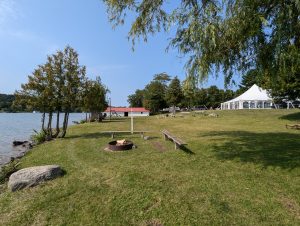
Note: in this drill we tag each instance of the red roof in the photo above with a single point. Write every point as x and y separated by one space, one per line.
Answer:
124 109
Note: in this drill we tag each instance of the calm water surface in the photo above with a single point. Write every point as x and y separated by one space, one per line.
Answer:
20 126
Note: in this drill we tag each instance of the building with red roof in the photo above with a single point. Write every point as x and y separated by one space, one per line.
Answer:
126 111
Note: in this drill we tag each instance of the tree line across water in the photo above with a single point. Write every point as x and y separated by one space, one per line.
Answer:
59 87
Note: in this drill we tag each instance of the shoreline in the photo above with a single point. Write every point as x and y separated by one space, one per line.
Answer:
19 152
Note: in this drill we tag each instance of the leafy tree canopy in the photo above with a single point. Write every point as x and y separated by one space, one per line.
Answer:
174 93
163 77
136 99
155 96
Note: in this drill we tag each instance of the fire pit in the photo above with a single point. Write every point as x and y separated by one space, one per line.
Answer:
122 145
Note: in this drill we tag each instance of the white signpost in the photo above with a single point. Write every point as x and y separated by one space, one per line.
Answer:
131 122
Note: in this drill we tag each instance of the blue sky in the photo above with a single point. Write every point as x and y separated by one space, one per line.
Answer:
31 29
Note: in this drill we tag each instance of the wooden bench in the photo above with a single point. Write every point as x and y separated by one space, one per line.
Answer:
177 141
115 132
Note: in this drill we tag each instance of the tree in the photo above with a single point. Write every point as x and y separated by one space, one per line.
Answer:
287 88
214 97
56 86
227 95
136 99
163 78
74 75
201 97
230 35
155 96
94 98
35 94
174 93
249 79
189 91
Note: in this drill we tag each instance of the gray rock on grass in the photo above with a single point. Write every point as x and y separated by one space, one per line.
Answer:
32 176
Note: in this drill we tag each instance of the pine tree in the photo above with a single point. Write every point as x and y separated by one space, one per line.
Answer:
174 93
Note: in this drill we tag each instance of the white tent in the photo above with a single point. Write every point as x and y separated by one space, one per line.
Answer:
253 98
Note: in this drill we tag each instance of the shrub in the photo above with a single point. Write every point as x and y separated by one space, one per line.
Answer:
83 121
39 137
7 170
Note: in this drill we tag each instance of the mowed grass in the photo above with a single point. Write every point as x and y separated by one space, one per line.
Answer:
242 168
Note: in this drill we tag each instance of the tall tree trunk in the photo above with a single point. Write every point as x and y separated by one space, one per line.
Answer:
49 129
65 125
63 133
57 125
43 122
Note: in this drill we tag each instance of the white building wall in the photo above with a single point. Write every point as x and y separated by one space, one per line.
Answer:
122 114
138 114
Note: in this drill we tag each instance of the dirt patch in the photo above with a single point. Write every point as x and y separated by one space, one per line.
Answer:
153 222
292 206
159 146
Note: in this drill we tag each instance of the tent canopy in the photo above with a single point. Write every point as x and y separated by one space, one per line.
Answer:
255 97
254 93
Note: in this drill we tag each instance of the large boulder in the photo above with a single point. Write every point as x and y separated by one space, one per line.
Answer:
33 176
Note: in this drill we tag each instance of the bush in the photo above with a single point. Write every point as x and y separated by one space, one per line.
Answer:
7 170
39 137
83 121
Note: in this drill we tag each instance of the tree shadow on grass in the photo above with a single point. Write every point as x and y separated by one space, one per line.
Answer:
187 150
292 117
98 135
268 149
113 120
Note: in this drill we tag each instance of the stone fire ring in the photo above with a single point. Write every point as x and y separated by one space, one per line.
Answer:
114 147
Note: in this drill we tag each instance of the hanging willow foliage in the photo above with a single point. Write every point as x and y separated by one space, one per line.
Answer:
226 36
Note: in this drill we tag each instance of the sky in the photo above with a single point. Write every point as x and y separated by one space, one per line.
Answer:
32 29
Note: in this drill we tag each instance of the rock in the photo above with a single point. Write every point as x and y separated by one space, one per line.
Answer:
146 138
22 145
213 115
32 176
17 143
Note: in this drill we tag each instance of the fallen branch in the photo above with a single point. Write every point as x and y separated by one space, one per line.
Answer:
297 126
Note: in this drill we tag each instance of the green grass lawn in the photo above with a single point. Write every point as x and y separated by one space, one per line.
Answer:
242 168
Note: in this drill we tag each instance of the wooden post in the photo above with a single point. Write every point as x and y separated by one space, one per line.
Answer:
112 135
131 122
176 145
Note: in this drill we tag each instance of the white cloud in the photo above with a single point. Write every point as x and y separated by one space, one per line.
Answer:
8 11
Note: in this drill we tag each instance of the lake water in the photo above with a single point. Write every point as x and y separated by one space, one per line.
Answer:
20 126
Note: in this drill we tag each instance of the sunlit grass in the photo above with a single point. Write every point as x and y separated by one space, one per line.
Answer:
241 168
